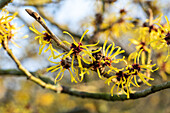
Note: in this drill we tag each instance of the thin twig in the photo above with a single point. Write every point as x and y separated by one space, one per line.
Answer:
56 24
4 3
39 19
27 73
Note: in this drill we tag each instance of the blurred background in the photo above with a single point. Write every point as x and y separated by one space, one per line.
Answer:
105 19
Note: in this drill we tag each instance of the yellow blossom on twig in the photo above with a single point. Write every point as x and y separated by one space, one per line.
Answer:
7 30
44 39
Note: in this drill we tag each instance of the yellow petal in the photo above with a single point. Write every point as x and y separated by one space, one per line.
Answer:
56 69
57 76
72 63
109 80
92 44
160 26
52 67
72 77
104 46
111 91
66 42
134 41
67 55
113 47
83 35
108 49
47 49
87 52
139 55
79 61
60 76
144 81
55 57
69 35
167 21
86 61
99 74
96 51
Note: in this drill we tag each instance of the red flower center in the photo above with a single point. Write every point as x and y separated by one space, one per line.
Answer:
96 65
142 47
47 37
120 75
107 61
65 64
135 68
167 38
76 49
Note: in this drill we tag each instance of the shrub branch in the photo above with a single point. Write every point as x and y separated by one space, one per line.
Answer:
103 96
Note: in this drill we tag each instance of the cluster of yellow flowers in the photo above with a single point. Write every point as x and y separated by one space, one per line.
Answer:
131 75
163 37
7 30
154 37
75 61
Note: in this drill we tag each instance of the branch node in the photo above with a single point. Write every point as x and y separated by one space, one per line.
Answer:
28 77
43 86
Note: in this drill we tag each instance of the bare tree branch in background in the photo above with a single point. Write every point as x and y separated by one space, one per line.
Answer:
4 2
